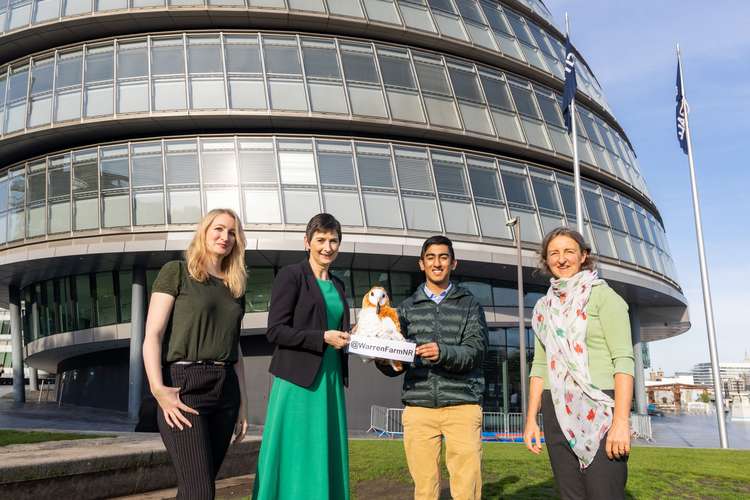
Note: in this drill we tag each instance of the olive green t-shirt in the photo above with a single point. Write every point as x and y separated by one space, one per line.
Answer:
206 319
608 340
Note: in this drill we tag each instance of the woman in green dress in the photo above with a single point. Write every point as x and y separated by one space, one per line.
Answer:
304 453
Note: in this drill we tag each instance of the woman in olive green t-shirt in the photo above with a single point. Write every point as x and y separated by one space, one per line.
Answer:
582 373
191 352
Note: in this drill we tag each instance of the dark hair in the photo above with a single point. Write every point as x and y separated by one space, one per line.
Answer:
322 223
590 262
438 239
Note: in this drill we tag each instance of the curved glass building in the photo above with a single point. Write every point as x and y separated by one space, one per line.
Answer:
123 121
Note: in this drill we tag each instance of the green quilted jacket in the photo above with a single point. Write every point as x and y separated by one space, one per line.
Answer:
458 325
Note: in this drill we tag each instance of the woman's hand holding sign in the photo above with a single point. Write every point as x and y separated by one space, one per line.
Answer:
336 339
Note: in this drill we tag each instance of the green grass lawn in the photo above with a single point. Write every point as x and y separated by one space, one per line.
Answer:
8 437
378 470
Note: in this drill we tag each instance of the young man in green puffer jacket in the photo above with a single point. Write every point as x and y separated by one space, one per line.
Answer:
443 386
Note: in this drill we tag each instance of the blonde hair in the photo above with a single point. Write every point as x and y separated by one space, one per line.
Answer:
232 265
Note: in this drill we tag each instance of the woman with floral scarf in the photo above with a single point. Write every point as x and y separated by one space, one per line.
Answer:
582 373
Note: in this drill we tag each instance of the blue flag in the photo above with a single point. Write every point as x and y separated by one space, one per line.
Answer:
570 84
682 111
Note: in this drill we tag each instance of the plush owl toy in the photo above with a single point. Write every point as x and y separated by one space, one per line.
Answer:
379 319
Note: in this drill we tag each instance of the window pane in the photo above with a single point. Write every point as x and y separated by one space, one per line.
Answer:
247 94
222 198
345 8
125 294
442 111
116 210
281 56
99 64
242 55
218 162
367 101
207 93
184 207
204 55
41 77
169 95
300 206
148 208
484 184
287 95
336 169
320 60
167 57
257 161
613 210
84 313
132 97
413 170
382 210
517 189
449 178
132 60
262 207
86 213
297 167
594 206
492 219
458 217
549 109
465 84
344 205
546 195
359 64
524 101
69 69
85 175
327 98
529 225
147 165
106 302
421 213
258 290
432 78
59 217
182 162
374 171
396 70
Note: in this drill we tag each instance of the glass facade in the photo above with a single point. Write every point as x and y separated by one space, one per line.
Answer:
257 73
483 24
279 179
104 298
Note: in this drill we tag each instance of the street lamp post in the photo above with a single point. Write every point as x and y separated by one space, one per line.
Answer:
515 223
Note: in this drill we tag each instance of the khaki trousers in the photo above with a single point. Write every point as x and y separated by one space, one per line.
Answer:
424 430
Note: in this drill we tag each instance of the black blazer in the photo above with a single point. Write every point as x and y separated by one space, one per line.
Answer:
296 324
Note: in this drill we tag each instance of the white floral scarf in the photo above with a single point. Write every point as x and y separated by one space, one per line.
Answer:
583 411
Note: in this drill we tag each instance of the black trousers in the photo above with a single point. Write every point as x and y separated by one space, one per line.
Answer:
604 479
198 451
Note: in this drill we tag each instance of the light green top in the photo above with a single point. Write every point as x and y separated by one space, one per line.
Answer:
607 339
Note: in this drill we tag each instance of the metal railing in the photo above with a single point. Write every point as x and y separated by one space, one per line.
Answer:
496 426
640 427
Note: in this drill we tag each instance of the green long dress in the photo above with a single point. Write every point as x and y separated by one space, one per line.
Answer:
305 453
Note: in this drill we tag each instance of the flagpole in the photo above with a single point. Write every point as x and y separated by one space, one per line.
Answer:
707 305
576 166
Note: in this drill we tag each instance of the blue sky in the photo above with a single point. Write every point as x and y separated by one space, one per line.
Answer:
630 46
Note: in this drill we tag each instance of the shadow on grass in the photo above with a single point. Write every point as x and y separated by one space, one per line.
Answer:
543 489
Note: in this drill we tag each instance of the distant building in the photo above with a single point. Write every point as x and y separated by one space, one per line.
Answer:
729 371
